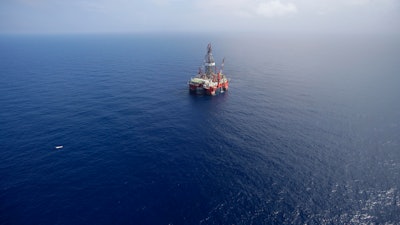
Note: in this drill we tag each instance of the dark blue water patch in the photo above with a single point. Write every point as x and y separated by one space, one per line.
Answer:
307 132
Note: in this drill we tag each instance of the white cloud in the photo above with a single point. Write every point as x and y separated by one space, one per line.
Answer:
339 6
249 8
275 8
231 6
358 2
164 3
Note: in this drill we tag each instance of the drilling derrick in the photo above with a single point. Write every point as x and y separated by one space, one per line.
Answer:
209 63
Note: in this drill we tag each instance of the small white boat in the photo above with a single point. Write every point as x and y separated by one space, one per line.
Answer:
59 147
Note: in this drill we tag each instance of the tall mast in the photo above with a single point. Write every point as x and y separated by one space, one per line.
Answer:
209 63
222 65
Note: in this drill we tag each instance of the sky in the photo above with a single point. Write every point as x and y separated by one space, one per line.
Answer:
131 16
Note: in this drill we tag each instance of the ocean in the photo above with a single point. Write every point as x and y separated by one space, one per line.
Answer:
308 132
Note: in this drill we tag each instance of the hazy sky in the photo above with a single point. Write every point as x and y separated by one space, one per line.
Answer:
295 16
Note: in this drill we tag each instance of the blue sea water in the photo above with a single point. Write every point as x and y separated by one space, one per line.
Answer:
309 132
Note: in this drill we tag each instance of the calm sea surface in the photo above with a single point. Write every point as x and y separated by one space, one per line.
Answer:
309 131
